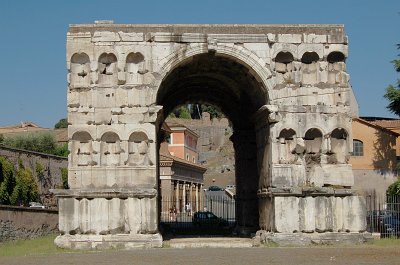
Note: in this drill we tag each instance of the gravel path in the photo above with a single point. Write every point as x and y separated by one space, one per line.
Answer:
232 256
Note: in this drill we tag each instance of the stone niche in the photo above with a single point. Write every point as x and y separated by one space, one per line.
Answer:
81 150
138 145
287 144
80 70
110 154
309 68
337 69
134 68
107 70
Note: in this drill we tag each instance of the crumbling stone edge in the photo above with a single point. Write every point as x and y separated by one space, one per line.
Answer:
263 237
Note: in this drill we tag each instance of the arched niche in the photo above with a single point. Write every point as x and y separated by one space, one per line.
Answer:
339 145
134 68
283 62
313 141
309 68
110 149
336 68
287 144
81 149
107 69
139 147
80 70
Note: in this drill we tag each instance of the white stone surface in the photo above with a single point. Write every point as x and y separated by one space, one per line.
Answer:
113 86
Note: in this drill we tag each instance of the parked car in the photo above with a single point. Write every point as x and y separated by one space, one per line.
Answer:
215 188
36 205
207 218
390 226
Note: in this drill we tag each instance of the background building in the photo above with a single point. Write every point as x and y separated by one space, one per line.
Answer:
374 156
181 177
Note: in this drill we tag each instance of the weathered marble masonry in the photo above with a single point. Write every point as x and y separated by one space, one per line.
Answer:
285 88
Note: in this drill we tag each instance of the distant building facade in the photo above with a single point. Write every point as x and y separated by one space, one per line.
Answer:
181 177
374 156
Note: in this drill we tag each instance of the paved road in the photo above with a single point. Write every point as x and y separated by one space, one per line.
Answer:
296 256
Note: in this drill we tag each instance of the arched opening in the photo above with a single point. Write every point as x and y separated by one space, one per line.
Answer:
231 86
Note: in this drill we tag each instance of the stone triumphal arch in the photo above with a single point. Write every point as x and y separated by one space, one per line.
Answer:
284 87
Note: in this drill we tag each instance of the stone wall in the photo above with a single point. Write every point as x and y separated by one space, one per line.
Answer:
51 176
25 223
369 182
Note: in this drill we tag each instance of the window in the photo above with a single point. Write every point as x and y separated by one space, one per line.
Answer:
358 148
187 157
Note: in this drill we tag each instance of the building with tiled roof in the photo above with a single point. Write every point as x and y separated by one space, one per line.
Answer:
374 156
181 177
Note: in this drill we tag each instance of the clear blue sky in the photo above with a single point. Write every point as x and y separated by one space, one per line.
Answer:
33 34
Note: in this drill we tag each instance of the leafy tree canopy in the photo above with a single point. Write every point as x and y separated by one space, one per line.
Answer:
63 123
393 91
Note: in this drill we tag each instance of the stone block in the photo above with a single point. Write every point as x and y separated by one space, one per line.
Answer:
85 214
286 214
74 178
339 174
100 215
131 36
307 214
100 36
354 213
313 38
289 38
116 225
68 215
282 175
133 215
102 116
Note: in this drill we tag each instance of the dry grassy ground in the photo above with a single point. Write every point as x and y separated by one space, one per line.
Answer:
40 252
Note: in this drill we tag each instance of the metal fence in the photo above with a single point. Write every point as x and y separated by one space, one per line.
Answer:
215 215
383 215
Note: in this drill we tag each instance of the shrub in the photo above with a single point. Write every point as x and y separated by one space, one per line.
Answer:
394 188
64 178
7 180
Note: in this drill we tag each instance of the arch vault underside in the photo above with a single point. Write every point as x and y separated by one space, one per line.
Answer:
285 89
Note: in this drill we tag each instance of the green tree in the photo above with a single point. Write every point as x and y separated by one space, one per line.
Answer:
61 150
393 91
26 188
214 111
63 123
181 112
43 142
7 180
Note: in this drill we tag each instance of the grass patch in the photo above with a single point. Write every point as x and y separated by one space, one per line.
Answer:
386 242
37 246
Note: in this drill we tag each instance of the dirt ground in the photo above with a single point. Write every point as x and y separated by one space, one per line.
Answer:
298 256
